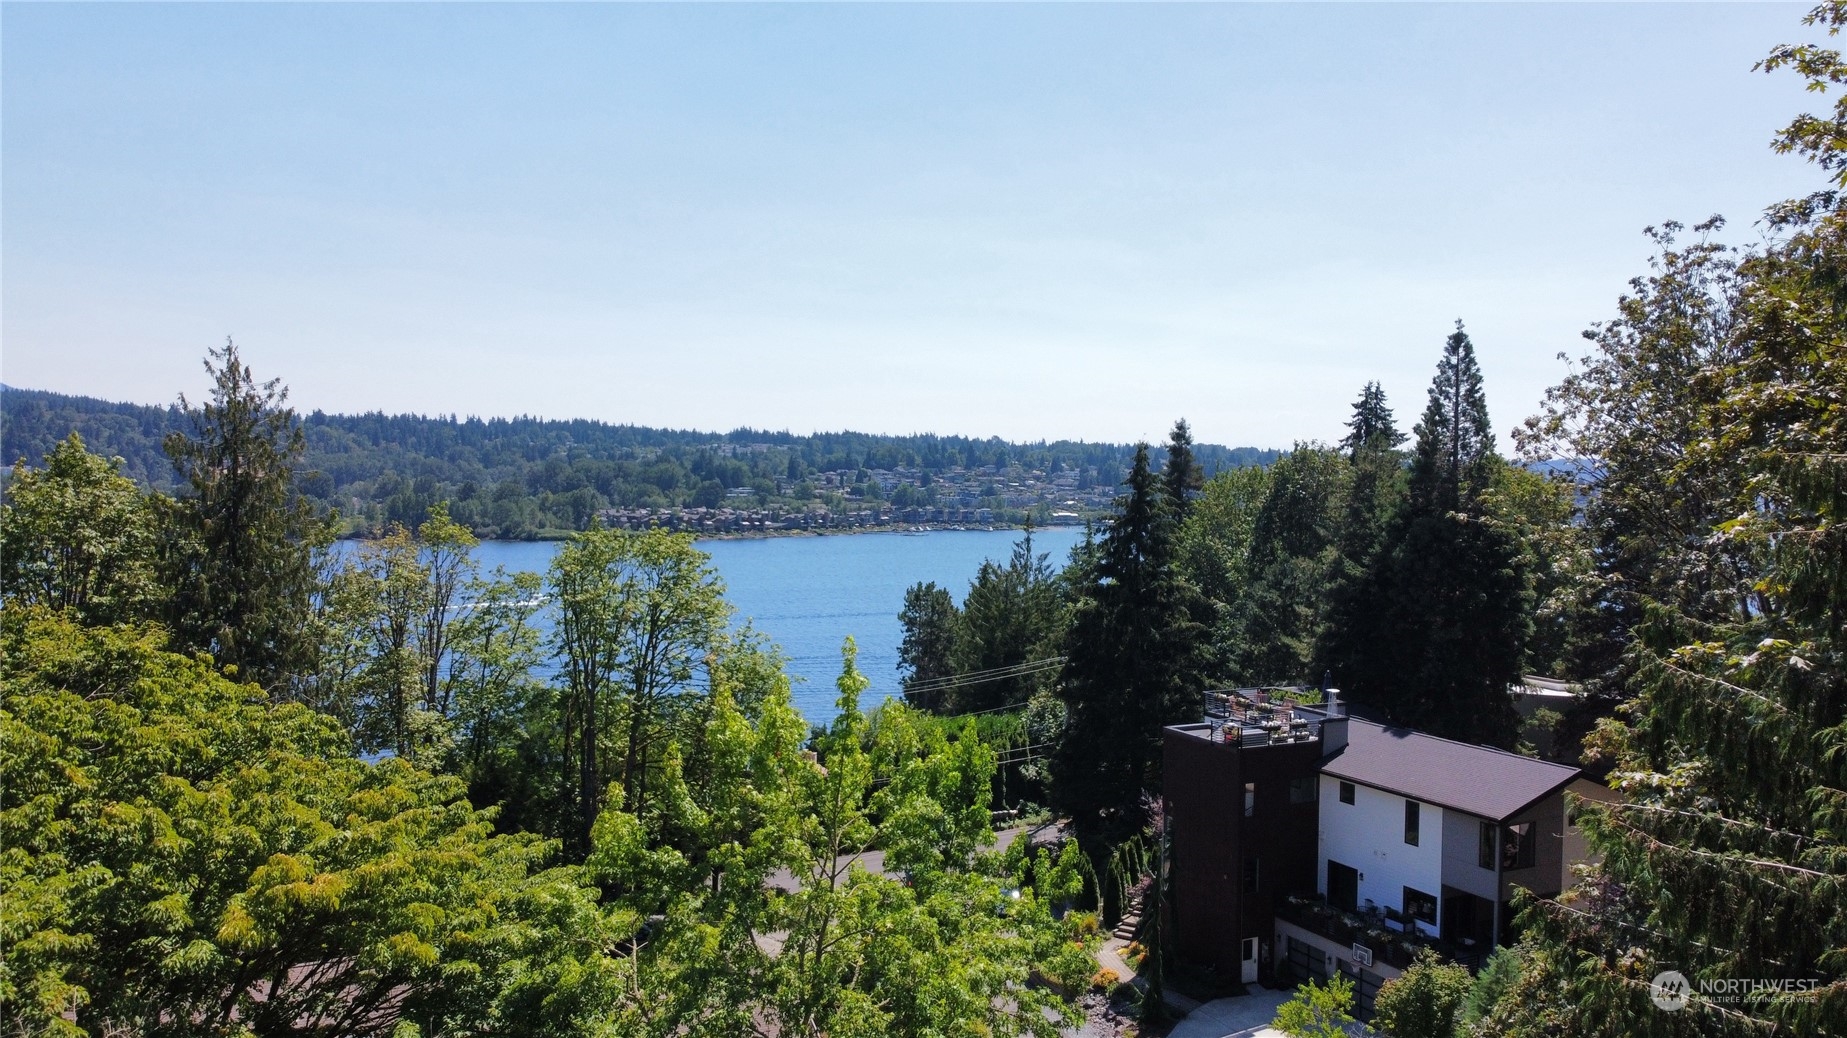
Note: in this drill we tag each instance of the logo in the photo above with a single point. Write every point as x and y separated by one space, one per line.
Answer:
1669 990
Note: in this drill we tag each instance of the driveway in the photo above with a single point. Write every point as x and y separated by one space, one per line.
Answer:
1229 1016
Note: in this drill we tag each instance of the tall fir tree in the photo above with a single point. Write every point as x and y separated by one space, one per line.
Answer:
1132 665
1181 477
929 620
1009 618
1274 624
1374 496
1372 426
1451 464
241 552
1434 633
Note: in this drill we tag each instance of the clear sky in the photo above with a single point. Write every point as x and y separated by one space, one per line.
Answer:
1039 221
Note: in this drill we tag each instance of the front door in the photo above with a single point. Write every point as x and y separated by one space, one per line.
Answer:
1250 960
1343 886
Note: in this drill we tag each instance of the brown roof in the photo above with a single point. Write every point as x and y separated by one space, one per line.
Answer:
1477 780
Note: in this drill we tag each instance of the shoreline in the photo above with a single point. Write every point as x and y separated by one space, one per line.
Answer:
764 535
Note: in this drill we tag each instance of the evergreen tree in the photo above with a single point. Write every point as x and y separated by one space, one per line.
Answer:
1277 617
926 654
1374 497
1455 444
1132 665
1725 860
1180 476
1009 618
1372 426
1435 632
241 561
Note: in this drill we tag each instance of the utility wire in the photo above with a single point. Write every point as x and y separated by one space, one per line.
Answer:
982 676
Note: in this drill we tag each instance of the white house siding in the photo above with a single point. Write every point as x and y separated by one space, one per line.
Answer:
1368 834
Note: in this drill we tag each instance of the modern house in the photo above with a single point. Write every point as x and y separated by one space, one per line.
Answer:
1304 841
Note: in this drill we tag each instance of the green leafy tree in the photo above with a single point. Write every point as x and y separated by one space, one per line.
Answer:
775 925
241 562
1634 404
503 716
1425 1001
1212 545
79 536
638 613
1724 859
182 858
1317 1010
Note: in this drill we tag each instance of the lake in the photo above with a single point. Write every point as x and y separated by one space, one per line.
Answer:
807 594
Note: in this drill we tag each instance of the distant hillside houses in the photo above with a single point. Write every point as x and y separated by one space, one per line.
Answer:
516 478
818 520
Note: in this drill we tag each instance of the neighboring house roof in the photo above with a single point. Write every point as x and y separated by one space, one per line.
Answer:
1474 779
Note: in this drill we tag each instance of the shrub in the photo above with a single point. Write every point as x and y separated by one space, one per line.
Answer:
1424 1002
1317 1011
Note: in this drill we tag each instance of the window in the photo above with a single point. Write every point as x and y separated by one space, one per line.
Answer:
1513 846
1346 792
1250 799
1302 790
1410 822
1250 875
1420 906
1517 846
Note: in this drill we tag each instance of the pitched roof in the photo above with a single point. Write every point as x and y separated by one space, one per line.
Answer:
1474 779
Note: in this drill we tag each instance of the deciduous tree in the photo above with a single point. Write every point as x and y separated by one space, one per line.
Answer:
76 535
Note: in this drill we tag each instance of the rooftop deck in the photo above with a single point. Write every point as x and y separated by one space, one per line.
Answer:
1254 717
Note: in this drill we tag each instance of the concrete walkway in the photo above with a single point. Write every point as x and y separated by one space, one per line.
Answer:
1246 1014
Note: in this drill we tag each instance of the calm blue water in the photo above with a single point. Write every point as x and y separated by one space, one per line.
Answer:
807 594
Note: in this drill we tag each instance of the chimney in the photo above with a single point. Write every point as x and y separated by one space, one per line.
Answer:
1334 725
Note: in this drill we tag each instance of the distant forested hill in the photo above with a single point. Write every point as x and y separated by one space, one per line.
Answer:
522 477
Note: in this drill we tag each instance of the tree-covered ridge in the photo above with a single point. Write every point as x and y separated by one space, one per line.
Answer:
518 477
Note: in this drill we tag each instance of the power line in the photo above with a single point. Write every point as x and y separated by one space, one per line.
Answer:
979 677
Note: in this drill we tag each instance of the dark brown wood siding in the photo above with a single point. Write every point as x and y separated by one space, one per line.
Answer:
1211 839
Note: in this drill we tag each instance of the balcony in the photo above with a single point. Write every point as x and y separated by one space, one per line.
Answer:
1393 939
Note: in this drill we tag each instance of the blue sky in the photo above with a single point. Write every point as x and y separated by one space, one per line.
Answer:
1038 221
